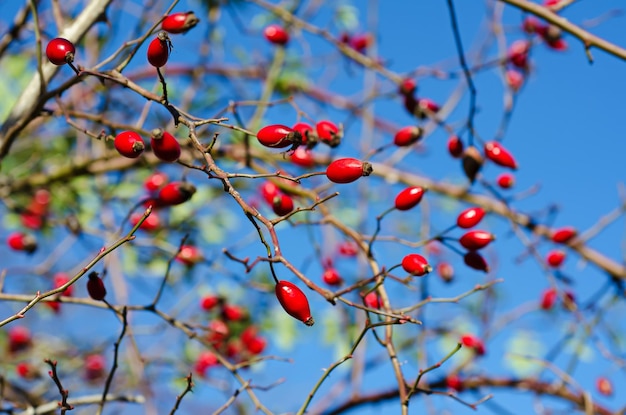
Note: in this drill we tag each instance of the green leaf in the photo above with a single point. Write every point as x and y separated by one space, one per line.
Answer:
523 343
347 16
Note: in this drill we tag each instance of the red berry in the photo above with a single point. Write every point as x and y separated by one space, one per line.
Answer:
555 258
348 248
409 197
361 42
551 3
470 217
278 136
155 181
303 157
151 224
164 145
472 161
426 106
208 302
129 144
455 146
474 260
180 22
54 306
60 51
205 360
95 287
328 133
532 25
306 131
19 338
371 300
269 191
416 264
276 34
94 367
454 382
604 386
20 241
218 332
294 302
232 312
564 235
469 340
407 136
506 180
445 271
175 193
514 79
60 279
518 53
347 170
548 298
407 87
189 255
331 277
499 155
282 204
159 50
26 370
475 240
256 345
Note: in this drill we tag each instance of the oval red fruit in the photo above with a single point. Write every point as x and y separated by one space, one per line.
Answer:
604 386
164 145
409 197
278 136
175 193
548 298
306 131
276 34
470 217
514 79
129 144
407 136
564 235
408 86
282 204
294 302
189 255
518 53
506 180
95 287
60 51
159 50
347 170
269 191
445 271
302 157
471 341
455 146
155 181
454 382
495 152
180 22
331 277
152 222
208 302
555 258
474 260
475 240
416 264
371 300
328 133
19 241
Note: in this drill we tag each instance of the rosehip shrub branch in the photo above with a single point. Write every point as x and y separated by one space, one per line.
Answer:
281 196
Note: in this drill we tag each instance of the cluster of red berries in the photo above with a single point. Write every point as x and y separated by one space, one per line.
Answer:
419 107
230 332
35 214
281 203
282 136
359 42
164 145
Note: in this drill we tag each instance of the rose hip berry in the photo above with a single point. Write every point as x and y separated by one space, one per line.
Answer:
95 287
474 260
472 162
279 136
19 339
475 240
455 146
151 224
555 258
416 265
180 22
506 180
347 170
371 300
276 34
155 181
409 197
454 382
564 235
604 386
175 193
514 79
518 53
495 152
302 157
328 133
407 136
294 302
306 131
348 248
60 51
189 255
282 204
19 241
470 217
159 50
426 107
331 277
94 367
445 271
164 145
548 298
471 341
129 144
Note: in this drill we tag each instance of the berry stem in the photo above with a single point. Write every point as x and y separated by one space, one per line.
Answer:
379 219
162 79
